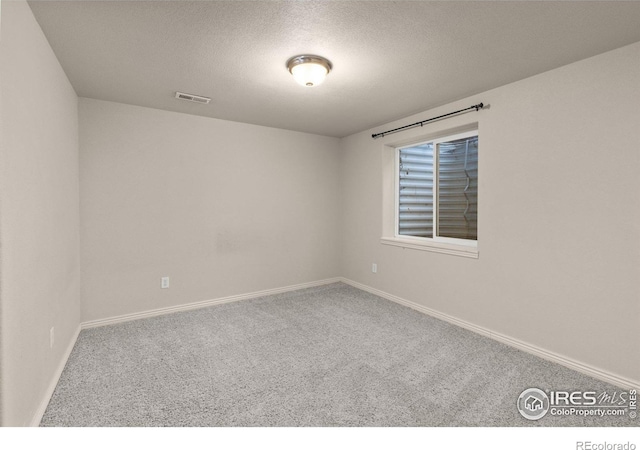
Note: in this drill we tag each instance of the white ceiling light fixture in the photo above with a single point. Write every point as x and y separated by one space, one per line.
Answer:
309 70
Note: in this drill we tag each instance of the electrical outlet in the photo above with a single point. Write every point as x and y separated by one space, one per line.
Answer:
374 268
51 337
164 283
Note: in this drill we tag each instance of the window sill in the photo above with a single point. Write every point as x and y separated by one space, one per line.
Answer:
431 246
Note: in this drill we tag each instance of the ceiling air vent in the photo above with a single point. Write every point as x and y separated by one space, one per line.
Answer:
192 98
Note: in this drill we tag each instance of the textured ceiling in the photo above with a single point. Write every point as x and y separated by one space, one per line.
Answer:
390 59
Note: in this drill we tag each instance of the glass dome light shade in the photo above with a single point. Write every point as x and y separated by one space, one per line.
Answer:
309 70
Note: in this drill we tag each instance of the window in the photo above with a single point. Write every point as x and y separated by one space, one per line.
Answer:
437 190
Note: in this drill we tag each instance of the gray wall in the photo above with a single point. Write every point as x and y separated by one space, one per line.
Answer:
220 207
559 215
39 215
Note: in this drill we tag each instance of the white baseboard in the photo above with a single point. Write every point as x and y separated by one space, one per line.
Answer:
202 304
37 416
578 366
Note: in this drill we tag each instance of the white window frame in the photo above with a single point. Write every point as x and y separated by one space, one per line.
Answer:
439 244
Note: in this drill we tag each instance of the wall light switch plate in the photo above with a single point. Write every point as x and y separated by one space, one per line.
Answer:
164 283
374 268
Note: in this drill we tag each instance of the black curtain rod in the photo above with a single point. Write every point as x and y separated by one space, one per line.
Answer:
413 125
